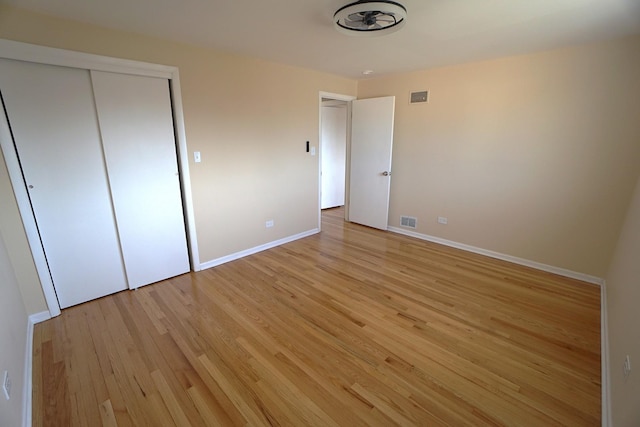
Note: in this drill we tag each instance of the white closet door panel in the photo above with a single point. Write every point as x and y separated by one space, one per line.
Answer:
53 121
137 132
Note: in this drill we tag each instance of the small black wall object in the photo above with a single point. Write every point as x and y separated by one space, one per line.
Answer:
307 146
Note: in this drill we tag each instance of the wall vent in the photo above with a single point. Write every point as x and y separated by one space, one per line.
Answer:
419 97
408 221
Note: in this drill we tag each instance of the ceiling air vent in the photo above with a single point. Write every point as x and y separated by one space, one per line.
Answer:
408 221
419 97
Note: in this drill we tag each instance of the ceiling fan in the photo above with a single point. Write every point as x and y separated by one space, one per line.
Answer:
366 17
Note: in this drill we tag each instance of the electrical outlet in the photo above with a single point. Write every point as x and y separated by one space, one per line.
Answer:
627 366
442 220
6 385
269 224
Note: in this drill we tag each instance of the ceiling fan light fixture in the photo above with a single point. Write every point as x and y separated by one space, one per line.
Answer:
370 18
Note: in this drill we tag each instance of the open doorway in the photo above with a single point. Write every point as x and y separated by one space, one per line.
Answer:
333 144
334 150
364 159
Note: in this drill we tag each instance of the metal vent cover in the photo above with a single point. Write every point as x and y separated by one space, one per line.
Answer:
419 97
408 221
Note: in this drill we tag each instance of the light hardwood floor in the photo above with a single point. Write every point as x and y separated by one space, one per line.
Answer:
350 327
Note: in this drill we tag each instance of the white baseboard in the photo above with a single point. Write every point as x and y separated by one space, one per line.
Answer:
27 401
521 261
39 317
604 359
254 250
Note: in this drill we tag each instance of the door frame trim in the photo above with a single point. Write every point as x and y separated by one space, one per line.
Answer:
337 97
53 56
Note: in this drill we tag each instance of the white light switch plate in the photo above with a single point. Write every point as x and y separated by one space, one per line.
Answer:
196 156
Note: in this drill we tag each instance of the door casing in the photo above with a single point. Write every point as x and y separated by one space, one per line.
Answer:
348 99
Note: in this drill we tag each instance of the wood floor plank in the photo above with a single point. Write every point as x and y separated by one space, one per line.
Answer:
169 399
118 406
207 408
107 414
235 395
37 390
351 327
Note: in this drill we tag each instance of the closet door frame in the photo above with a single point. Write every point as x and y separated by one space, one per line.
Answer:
66 58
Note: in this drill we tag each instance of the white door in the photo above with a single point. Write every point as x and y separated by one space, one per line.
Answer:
136 121
334 152
370 174
53 121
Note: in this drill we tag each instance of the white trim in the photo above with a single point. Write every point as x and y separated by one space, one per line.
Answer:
27 401
605 373
36 318
67 58
26 213
337 97
222 260
53 56
27 387
521 261
183 158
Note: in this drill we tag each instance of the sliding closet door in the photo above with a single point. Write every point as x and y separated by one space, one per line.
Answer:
137 133
53 121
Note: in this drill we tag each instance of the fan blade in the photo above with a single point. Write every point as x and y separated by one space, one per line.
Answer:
355 24
386 21
387 17
356 16
352 23
375 27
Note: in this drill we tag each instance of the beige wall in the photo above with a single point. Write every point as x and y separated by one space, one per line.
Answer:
250 120
532 156
19 253
13 335
623 298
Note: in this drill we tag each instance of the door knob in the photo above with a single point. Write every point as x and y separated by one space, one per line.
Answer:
385 173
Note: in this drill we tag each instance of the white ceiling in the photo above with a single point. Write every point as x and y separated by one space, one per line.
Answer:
301 33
